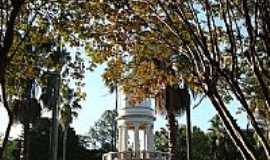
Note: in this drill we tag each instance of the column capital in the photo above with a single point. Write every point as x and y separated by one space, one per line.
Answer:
149 126
123 125
136 124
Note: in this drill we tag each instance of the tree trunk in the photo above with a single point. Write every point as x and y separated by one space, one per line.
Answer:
172 134
10 114
55 124
26 138
65 136
188 134
26 122
232 128
54 143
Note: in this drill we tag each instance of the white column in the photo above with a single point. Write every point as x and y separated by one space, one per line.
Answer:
145 139
150 138
125 138
119 145
136 138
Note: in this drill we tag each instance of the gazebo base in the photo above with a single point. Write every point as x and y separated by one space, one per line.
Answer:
143 155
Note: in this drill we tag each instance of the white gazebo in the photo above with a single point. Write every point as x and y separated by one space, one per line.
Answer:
135 123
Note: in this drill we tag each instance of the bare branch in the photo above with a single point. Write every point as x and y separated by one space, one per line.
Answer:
200 101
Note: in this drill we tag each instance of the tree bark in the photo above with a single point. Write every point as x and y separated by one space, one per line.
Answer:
10 114
54 143
55 123
10 25
188 134
26 122
172 134
65 136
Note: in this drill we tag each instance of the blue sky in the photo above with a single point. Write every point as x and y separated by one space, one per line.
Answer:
99 99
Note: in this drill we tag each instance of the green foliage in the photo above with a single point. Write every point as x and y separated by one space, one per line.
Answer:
11 151
220 144
40 142
102 134
161 140
215 144
202 145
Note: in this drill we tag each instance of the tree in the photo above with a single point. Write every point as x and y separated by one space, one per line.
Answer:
201 143
40 142
10 11
102 133
21 91
216 134
29 25
225 41
176 101
184 94
161 140
24 106
57 91
68 112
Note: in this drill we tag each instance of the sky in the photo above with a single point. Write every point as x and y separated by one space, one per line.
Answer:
99 99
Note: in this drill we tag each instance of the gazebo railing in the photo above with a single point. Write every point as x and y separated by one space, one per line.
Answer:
142 155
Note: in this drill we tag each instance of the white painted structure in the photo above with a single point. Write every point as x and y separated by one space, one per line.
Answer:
135 123
139 117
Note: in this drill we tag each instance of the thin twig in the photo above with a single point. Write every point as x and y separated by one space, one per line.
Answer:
200 101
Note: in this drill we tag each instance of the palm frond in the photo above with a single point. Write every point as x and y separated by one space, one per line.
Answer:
172 99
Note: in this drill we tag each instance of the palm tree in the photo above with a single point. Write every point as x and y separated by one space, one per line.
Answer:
175 101
68 112
50 99
184 100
